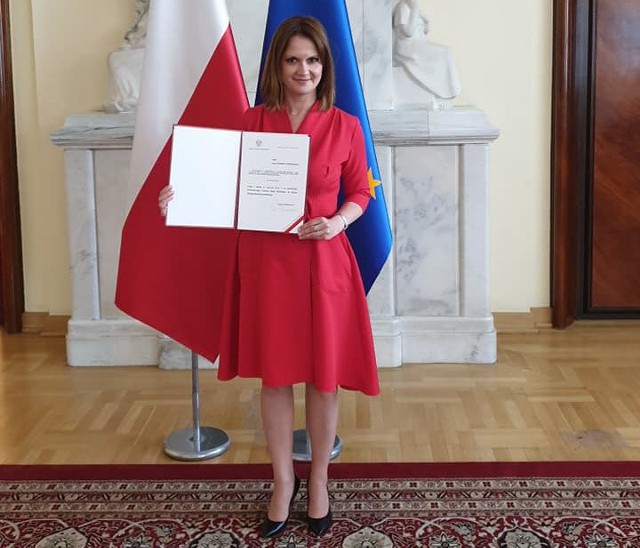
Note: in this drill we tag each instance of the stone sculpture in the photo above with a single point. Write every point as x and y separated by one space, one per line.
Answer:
125 64
424 73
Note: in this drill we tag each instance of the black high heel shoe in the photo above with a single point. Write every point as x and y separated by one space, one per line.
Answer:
319 526
272 528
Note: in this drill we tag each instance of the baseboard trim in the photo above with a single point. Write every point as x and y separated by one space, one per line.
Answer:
534 321
537 319
44 324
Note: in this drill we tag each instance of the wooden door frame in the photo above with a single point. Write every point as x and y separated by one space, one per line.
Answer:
11 276
570 155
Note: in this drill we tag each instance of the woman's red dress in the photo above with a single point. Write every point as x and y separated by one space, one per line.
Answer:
296 310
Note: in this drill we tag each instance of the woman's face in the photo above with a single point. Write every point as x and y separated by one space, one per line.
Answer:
301 69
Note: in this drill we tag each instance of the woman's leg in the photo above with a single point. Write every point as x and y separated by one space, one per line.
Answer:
277 421
322 422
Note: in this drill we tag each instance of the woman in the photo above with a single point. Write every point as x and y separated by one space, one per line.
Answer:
296 310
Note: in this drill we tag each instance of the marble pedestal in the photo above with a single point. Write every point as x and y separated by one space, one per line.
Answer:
431 302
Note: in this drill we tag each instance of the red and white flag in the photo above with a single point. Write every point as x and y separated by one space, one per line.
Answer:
172 278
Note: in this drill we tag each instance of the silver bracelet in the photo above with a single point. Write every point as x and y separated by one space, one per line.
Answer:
344 220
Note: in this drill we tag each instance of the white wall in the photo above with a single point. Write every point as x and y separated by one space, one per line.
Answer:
503 52
59 60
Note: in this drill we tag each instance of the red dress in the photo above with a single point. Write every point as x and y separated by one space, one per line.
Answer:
296 310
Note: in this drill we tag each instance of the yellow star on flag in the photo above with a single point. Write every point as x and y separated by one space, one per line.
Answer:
373 183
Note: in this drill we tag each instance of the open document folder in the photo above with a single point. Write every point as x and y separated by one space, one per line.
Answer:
243 179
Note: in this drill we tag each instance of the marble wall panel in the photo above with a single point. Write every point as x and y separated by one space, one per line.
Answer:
381 297
427 233
474 186
112 174
83 243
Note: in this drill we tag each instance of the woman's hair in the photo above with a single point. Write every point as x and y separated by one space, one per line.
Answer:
271 86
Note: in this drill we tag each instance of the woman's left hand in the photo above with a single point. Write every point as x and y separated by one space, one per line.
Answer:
320 228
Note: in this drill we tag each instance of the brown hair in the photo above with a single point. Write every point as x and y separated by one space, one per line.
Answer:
271 86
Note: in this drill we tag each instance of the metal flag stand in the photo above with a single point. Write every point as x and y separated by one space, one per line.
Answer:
199 442
302 446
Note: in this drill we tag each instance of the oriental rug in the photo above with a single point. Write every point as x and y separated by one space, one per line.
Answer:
475 505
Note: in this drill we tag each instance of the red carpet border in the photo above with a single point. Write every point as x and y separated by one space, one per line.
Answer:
475 505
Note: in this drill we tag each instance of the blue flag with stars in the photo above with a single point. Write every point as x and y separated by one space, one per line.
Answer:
370 236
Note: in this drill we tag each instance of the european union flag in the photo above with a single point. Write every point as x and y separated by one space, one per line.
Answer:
370 236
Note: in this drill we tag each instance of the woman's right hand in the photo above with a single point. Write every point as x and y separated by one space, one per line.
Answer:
165 196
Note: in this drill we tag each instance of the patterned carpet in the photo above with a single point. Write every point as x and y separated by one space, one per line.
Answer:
503 505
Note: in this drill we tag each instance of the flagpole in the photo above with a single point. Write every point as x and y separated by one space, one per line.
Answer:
302 446
197 443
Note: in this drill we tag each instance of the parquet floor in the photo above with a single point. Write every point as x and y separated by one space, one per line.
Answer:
554 395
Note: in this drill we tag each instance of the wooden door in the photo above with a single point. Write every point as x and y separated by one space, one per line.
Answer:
595 257
11 280
614 267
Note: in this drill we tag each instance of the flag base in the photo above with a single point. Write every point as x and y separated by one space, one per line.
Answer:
181 445
302 447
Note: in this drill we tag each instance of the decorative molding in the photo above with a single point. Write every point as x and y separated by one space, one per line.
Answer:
569 148
97 130
459 125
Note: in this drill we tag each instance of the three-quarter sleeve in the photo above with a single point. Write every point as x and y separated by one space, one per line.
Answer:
355 179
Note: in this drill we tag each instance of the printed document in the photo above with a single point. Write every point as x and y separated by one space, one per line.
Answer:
247 180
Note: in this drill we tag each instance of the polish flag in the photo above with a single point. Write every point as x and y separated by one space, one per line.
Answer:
170 278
